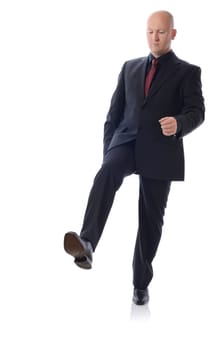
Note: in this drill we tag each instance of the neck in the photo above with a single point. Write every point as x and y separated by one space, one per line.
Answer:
157 56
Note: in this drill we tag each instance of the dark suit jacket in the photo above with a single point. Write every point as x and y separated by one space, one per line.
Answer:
176 91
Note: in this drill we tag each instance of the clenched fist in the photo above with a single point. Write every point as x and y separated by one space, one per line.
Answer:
168 126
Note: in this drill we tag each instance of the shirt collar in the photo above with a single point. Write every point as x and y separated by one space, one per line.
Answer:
162 59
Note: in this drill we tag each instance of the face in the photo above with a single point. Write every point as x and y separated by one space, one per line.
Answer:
160 33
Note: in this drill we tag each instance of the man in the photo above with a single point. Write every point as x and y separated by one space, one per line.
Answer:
158 100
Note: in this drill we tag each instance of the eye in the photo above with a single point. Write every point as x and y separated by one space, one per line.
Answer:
161 32
149 31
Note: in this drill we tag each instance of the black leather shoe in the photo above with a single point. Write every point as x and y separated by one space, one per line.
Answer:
80 249
141 296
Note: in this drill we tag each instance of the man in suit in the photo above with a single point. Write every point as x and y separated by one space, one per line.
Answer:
157 101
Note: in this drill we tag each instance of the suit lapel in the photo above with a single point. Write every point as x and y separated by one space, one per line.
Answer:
166 72
143 76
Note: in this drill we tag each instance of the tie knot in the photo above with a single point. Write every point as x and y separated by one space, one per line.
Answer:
155 61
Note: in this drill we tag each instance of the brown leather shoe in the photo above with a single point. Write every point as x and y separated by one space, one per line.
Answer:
141 296
80 249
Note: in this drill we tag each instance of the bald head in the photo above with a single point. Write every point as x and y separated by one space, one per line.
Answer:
163 16
160 32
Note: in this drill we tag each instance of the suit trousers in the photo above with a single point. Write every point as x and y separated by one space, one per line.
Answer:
118 163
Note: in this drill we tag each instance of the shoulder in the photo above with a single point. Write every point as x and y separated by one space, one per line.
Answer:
134 64
136 61
187 65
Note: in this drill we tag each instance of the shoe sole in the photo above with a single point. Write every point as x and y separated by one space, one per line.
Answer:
73 245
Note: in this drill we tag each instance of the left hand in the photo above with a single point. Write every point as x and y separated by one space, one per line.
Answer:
168 126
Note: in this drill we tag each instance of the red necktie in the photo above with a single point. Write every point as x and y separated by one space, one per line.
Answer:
150 75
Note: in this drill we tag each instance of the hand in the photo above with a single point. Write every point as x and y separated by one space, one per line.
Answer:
168 126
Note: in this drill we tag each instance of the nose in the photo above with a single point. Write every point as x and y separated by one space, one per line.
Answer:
156 36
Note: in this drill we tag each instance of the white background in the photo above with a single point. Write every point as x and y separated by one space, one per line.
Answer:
59 63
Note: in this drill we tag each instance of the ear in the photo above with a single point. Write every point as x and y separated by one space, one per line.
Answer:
174 32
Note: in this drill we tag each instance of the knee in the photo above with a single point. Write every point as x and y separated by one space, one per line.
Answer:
110 173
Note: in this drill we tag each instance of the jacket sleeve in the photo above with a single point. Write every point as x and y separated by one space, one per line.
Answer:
115 113
192 114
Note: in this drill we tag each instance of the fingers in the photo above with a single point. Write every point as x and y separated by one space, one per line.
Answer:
168 126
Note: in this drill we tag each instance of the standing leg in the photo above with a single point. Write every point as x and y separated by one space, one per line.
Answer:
152 203
118 163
